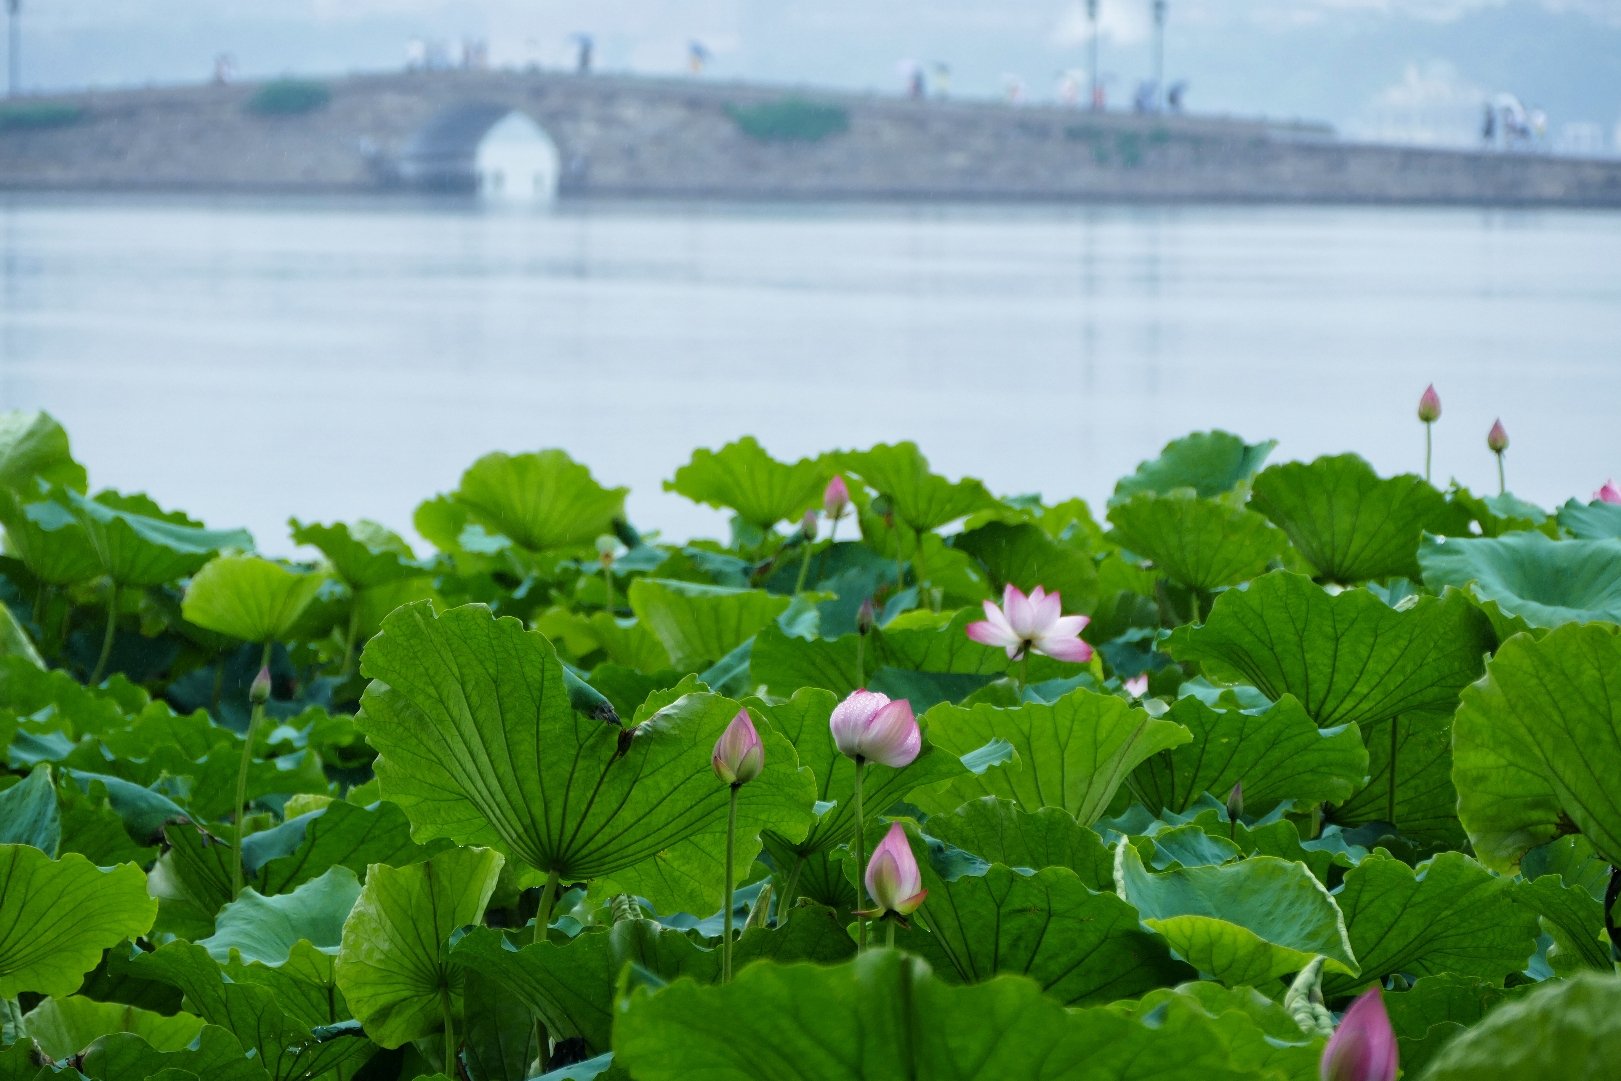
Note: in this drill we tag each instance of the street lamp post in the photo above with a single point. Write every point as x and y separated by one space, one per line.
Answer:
1092 17
14 52
1159 52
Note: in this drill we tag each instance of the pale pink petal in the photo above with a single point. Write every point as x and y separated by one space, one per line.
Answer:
892 737
988 634
996 618
1137 686
739 757
1047 609
851 718
1064 649
1068 626
892 877
1021 614
1609 493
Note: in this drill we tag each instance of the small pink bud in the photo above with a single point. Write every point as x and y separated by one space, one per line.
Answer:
259 689
1137 686
1363 1048
893 880
867 726
1235 802
1429 405
866 616
1497 438
836 497
739 757
807 525
1609 493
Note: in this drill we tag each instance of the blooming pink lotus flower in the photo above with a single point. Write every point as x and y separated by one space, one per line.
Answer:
1429 405
1497 438
1033 623
1137 686
868 727
739 756
1609 493
836 497
893 880
1363 1048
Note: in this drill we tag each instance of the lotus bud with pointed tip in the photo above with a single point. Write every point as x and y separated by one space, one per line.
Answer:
1363 1048
866 616
1609 493
1497 438
836 497
739 756
259 689
1429 405
807 525
893 880
1235 802
868 727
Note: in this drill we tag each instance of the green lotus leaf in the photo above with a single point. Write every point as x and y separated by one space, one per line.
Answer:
699 623
337 835
1246 922
1024 555
394 964
362 555
1574 919
1435 1009
542 500
1446 915
260 928
57 916
921 499
29 814
65 1026
1350 524
1199 543
1211 463
1081 946
886 1016
478 744
52 543
742 477
138 544
1348 658
1426 803
499 1039
249 597
1563 1028
1545 582
216 1055
1073 753
1261 1037
33 447
14 641
1591 521
998 831
1535 743
1276 752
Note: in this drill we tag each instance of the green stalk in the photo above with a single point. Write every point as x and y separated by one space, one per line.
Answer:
726 913
238 869
543 920
1502 488
919 574
804 569
1427 426
1024 671
889 939
833 528
861 862
861 668
1391 802
608 584
349 637
1193 595
790 892
107 636
451 1068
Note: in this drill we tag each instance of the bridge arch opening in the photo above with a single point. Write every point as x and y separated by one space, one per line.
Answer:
487 149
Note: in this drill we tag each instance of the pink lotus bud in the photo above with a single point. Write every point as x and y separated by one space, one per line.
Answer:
1429 405
868 727
1609 493
1235 802
739 756
807 525
893 880
1363 1048
866 616
836 497
1497 438
259 689
1137 686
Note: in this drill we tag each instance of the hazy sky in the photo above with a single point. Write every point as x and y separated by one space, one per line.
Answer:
1409 67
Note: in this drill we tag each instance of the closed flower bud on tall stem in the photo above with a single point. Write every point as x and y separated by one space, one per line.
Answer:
739 757
1429 411
893 880
1363 1048
1497 441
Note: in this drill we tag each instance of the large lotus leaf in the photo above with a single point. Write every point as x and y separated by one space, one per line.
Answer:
216 1055
1023 555
700 623
1535 745
1564 1029
1591 521
51 542
336 835
1208 462
1073 753
1573 919
1426 804
1350 524
66 1026
803 719
1447 915
1436 1008
478 743
57 916
1545 582
248 597
1276 752
1199 543
34 445
998 831
29 813
742 477
394 964
1246 922
499 1039
1349 658
1081 946
260 928
139 545
541 500
363 555
921 499
1260 1035
14 642
885 1016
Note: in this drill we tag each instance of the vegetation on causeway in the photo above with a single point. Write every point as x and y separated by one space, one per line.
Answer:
1275 772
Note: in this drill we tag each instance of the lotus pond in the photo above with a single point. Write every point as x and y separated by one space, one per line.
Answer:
901 780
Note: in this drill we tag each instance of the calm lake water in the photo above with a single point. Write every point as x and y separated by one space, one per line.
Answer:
251 360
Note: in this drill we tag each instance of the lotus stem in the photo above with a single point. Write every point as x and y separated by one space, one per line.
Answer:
1390 803
349 637
889 934
1193 601
833 527
608 586
107 636
861 863
804 569
861 667
1024 672
726 913
239 865
1502 487
790 891
1427 447
451 1068
548 899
